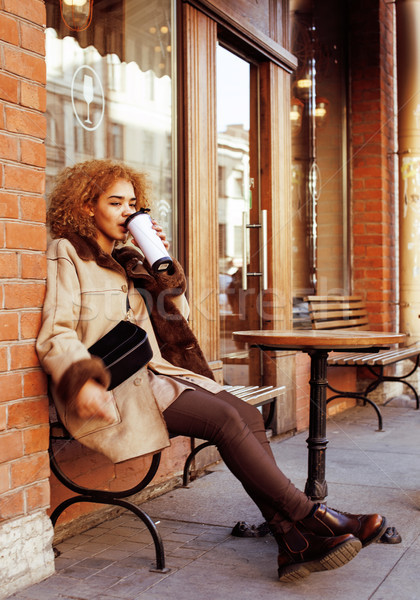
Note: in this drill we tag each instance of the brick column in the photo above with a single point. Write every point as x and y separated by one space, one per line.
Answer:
372 160
25 530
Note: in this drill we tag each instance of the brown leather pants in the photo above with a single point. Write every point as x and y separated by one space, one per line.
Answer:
238 432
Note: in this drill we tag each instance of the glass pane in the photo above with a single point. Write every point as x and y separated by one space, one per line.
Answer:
319 184
233 117
109 89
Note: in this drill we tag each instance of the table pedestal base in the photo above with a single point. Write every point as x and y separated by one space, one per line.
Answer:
316 485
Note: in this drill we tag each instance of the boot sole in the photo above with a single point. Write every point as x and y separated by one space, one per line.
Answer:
378 533
334 559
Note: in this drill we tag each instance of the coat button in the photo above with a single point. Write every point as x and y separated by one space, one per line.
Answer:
137 381
124 288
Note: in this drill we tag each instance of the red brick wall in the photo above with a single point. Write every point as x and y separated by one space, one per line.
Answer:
24 468
372 161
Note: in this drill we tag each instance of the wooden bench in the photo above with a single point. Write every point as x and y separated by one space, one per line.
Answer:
255 395
349 312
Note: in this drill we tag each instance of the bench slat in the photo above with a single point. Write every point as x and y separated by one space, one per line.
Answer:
341 324
382 358
332 298
326 314
256 395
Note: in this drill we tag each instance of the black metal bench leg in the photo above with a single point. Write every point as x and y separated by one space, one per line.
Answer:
150 524
115 498
358 397
189 459
381 378
412 388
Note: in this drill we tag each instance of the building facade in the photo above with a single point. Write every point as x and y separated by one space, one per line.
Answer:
269 133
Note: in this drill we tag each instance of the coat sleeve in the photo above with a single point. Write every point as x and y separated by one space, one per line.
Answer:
171 283
62 355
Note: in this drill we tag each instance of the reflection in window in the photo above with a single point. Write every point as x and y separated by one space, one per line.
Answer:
319 163
109 91
233 162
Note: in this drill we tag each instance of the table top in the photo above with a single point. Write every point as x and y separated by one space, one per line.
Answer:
333 339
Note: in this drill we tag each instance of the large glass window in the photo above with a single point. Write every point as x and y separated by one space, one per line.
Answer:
319 152
110 90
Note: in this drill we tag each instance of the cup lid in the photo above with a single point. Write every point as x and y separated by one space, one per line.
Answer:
142 211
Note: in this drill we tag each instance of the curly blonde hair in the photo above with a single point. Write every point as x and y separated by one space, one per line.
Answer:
79 187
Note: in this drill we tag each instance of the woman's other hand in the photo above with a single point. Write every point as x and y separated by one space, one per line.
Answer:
160 233
94 401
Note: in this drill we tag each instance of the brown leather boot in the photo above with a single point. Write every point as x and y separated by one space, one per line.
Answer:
303 552
327 521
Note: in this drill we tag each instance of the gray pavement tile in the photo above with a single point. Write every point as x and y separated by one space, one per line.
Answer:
118 570
177 562
403 579
181 538
78 572
142 537
91 588
217 534
374 468
95 563
194 529
168 545
139 561
206 502
131 547
50 589
184 552
77 553
245 554
102 580
111 537
112 554
258 579
92 548
199 544
80 538
130 587
64 563
126 531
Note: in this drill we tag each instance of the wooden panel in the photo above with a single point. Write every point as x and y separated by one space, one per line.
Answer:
200 156
261 24
278 367
275 193
255 13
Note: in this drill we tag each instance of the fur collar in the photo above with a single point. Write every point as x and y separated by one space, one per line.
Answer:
176 340
89 249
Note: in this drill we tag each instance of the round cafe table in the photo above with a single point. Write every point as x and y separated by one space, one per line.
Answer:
318 344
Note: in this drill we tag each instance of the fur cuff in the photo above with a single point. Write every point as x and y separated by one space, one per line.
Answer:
78 374
174 277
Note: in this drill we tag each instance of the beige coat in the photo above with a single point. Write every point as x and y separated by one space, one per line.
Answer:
86 296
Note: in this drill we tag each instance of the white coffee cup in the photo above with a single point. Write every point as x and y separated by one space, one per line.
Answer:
140 226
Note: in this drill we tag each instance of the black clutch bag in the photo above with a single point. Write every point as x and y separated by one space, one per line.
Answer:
124 350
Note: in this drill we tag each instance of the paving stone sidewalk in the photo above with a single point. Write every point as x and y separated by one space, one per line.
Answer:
366 471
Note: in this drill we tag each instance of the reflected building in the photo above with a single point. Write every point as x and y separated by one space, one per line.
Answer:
109 94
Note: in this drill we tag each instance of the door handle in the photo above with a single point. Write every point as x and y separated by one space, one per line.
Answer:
264 256
244 250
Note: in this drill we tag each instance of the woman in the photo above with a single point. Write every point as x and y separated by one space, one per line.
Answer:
92 279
